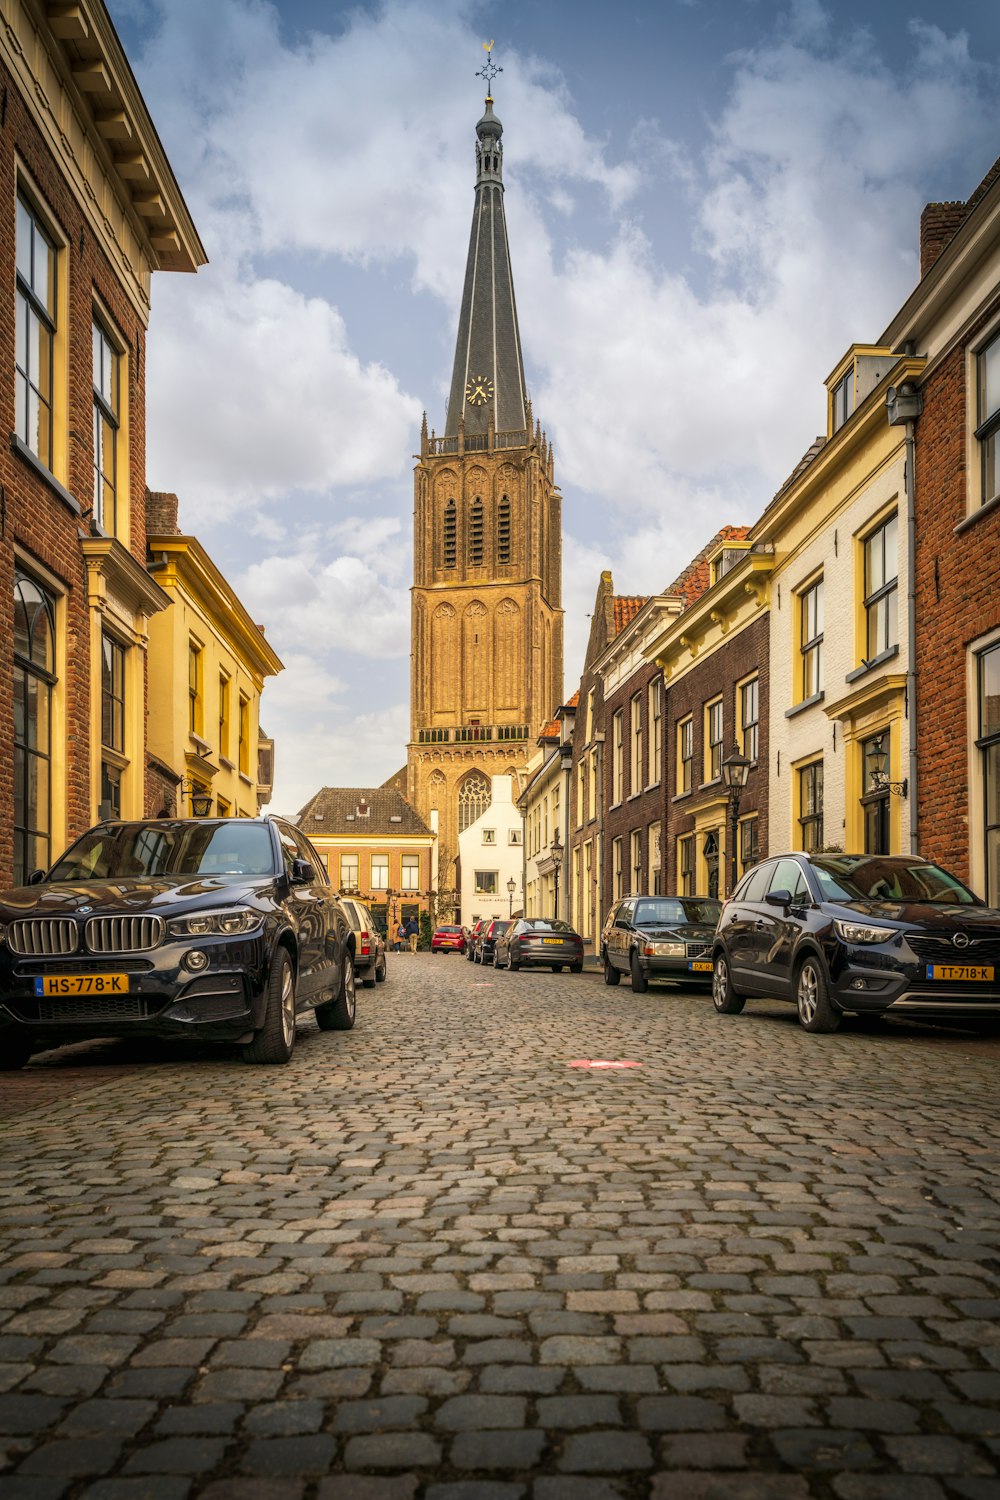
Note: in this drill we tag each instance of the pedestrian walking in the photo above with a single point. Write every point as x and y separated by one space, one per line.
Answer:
399 945
412 932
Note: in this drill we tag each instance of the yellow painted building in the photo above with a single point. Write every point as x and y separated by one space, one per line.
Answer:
208 662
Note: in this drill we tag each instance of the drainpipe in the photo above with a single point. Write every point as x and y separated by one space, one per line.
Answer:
903 407
599 740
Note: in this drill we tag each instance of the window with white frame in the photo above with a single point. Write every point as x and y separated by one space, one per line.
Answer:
592 781
618 757
988 415
811 639
409 878
486 882
635 858
713 740
616 869
514 836
811 806
685 755
988 750
380 872
685 865
881 587
107 421
842 400
489 835
749 717
655 730
655 860
635 756
348 872
36 315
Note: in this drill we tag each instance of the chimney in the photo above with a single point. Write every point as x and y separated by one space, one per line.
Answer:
161 514
938 223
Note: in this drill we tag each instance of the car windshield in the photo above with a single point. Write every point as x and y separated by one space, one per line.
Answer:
186 849
867 877
670 911
545 924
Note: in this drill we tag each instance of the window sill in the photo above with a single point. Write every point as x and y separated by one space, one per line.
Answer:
680 796
988 507
20 447
633 795
230 765
246 780
614 806
653 786
714 781
800 708
202 746
870 666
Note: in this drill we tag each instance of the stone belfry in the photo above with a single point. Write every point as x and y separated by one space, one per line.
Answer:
486 659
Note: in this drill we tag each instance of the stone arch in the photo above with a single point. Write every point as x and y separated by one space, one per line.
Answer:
474 797
436 790
508 667
476 658
444 641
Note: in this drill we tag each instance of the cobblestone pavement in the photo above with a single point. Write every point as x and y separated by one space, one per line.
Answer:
431 1259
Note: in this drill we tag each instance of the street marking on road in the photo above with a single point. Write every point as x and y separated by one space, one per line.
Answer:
482 984
597 1062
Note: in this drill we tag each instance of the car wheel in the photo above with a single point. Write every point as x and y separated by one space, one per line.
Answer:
513 963
724 997
611 974
576 968
275 1040
339 1014
640 984
14 1053
496 960
381 972
812 998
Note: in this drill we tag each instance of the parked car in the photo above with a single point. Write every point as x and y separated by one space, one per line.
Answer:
539 940
660 937
219 929
867 933
369 944
486 942
448 940
472 937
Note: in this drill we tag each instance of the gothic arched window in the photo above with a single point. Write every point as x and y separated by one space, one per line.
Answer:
449 546
503 530
476 533
473 799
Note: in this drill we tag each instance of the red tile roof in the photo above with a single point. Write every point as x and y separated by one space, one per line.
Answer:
550 731
574 701
627 606
697 576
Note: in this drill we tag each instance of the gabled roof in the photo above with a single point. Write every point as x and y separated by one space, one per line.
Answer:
334 811
627 606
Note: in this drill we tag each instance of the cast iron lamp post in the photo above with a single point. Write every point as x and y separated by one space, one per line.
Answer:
735 770
511 888
556 852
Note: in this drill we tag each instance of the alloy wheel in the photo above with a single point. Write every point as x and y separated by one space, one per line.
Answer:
288 1007
807 994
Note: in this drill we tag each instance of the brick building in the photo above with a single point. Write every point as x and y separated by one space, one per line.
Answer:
89 210
953 319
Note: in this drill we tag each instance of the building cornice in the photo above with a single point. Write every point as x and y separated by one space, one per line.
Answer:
181 562
725 609
113 571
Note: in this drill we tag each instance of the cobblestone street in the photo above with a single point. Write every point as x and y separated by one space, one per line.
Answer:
431 1259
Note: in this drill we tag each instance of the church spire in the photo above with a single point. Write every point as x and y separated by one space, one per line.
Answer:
488 377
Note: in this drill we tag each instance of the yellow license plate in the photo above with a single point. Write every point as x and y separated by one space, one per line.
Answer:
552 940
700 966
82 984
960 973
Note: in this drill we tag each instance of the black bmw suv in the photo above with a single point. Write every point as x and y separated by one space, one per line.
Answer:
870 933
222 929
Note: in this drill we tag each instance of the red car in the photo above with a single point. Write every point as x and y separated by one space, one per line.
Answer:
448 940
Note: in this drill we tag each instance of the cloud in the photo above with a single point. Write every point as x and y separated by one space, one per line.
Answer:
341 605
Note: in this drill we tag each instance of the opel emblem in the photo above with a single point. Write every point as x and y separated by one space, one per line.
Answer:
961 939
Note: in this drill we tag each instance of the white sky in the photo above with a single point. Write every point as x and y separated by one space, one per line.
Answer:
707 203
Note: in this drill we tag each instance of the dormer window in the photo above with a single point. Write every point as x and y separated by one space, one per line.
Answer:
842 400
363 810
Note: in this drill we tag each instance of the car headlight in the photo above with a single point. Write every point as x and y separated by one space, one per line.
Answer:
863 932
665 950
232 922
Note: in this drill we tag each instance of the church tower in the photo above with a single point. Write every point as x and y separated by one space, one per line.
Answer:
486 659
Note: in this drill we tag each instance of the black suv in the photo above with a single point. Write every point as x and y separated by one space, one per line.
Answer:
222 929
870 933
660 937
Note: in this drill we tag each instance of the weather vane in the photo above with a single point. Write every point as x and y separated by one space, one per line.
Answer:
489 70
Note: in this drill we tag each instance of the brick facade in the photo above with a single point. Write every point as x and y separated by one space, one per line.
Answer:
636 812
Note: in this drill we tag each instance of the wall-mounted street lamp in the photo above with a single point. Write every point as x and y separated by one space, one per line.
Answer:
735 770
511 888
556 852
200 798
879 760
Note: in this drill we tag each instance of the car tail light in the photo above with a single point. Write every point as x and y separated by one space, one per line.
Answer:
365 944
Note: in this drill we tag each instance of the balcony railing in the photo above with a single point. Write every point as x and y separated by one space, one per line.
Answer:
465 734
476 442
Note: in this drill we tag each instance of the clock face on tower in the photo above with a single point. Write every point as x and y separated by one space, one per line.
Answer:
479 390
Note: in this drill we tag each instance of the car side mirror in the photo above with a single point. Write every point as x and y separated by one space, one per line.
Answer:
779 898
36 877
302 872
